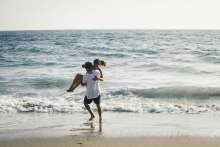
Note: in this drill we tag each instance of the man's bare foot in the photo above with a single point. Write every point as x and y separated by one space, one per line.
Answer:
91 118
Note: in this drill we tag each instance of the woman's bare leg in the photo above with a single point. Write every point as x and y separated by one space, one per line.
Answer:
76 82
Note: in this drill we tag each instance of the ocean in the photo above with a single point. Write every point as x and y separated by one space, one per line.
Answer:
148 71
157 82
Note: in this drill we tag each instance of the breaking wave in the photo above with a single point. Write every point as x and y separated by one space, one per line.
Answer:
155 100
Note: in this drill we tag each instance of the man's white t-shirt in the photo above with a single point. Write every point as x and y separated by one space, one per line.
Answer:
92 86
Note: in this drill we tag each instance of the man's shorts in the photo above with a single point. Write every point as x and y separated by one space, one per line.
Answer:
88 101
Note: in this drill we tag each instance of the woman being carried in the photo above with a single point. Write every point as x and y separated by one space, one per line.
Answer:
79 77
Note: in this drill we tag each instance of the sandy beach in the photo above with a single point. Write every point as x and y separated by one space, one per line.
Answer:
76 141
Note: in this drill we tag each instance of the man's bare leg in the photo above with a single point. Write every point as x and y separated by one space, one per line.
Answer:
99 112
92 115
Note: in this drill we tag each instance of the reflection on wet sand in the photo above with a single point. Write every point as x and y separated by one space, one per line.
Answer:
92 127
88 128
100 126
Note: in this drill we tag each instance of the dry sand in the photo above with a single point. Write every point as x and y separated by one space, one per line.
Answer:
84 141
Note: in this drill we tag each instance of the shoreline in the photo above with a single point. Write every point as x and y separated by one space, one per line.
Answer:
114 125
95 141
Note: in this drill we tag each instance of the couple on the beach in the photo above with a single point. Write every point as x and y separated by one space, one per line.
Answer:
91 81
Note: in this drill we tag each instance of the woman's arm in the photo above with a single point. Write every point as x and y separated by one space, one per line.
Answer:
98 75
101 74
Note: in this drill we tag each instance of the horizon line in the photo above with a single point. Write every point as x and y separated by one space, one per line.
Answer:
110 29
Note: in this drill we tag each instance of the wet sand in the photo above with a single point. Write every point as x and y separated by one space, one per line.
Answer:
116 125
88 141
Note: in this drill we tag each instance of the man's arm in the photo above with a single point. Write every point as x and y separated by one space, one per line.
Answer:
98 78
84 80
83 84
100 71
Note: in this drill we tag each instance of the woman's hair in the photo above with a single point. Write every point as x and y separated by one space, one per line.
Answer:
99 62
103 63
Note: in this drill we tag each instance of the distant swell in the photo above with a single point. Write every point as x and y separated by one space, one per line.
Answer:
171 92
106 54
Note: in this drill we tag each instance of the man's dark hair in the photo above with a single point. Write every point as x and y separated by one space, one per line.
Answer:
87 65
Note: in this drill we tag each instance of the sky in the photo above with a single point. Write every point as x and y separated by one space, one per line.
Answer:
109 14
